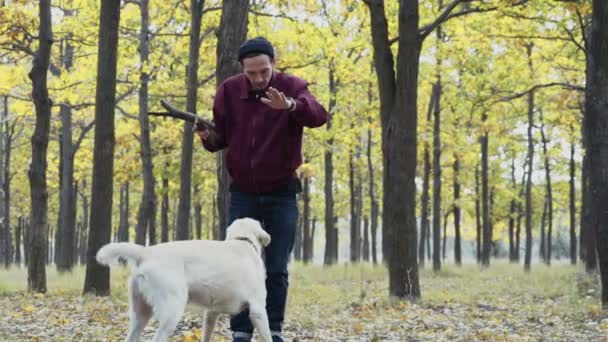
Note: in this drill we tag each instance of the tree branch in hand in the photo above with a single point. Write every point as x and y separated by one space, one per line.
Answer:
175 113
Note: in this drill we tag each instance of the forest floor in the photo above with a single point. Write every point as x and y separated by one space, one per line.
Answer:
342 303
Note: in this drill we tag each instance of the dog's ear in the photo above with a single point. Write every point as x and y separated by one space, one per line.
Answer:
263 237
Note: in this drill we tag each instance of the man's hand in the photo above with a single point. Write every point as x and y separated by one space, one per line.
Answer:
277 100
203 132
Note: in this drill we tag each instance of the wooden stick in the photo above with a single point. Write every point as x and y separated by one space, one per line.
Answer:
175 113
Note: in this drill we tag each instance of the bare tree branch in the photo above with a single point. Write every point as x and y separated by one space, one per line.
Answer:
125 114
83 132
281 15
299 66
206 79
540 86
447 15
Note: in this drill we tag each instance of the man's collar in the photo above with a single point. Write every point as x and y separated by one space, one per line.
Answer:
248 93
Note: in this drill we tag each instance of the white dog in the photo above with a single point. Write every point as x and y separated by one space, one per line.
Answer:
221 276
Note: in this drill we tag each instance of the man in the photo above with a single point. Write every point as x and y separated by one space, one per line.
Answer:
259 116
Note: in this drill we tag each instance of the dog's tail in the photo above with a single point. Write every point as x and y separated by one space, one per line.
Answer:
115 253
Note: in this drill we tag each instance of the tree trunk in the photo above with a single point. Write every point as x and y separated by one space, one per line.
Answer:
485 200
528 255
424 205
76 243
437 177
164 211
84 227
18 235
477 216
512 214
596 128
366 238
398 106
198 213
123 224
307 252
588 242
145 212
331 232
10 132
152 236
232 32
67 227
183 212
543 224
372 198
355 225
5 235
549 194
572 199
36 279
457 211
97 279
445 234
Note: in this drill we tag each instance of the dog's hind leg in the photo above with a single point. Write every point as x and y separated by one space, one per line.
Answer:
210 319
259 318
139 312
166 291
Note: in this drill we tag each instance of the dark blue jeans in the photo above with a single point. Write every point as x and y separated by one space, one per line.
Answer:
278 214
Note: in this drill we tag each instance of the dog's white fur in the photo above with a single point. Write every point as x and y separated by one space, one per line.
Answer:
221 276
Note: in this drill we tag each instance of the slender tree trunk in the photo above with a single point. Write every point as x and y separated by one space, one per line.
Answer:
549 194
457 211
543 224
366 238
437 178
331 232
355 213
5 235
528 255
123 224
306 234
425 197
183 212
445 234
84 224
198 213
164 211
297 249
485 201
73 213
146 210
373 199
477 216
512 214
97 278
313 228
572 202
595 123
36 279
67 227
10 132
18 235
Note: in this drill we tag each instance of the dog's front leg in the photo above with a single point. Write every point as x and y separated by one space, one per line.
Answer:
259 318
210 319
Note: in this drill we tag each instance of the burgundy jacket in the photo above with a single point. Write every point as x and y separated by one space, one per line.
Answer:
264 144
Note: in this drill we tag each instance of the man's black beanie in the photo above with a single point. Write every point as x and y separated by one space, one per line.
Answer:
256 45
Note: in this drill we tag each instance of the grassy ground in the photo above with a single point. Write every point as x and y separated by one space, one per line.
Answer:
342 303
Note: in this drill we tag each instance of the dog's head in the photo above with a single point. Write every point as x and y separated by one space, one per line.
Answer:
250 229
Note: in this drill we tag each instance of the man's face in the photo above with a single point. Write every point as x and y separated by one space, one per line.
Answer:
258 70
